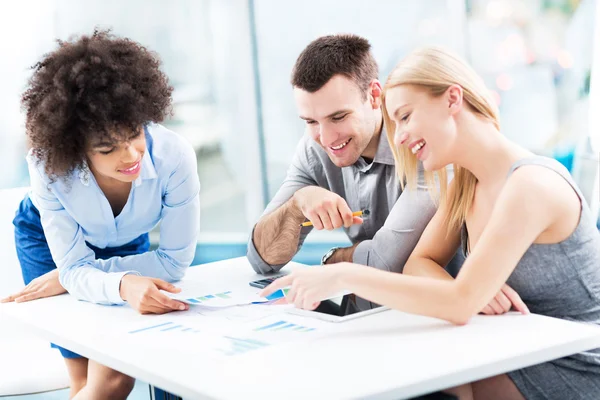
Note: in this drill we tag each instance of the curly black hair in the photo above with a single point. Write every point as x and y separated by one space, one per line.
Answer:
98 86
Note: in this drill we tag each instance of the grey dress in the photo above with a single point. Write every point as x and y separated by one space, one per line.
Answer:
560 280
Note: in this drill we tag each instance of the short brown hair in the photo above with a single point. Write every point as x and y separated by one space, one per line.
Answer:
343 54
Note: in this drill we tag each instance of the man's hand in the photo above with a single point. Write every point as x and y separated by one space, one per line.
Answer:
46 285
505 300
325 209
143 294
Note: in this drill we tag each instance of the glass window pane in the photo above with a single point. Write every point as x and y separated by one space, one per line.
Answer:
205 49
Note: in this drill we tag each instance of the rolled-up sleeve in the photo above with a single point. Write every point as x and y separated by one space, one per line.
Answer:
300 174
394 242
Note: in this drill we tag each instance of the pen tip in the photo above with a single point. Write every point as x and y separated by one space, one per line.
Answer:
366 212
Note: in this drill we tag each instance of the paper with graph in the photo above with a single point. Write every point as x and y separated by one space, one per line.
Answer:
224 323
193 293
220 299
226 332
265 333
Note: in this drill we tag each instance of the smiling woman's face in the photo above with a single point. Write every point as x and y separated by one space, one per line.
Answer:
424 124
120 161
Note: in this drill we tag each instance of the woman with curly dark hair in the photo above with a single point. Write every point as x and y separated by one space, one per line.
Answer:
103 174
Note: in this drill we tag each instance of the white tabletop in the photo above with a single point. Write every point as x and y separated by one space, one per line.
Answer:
386 355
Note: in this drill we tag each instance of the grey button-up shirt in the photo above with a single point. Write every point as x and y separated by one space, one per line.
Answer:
397 218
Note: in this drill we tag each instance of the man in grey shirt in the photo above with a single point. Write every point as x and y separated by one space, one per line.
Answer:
342 164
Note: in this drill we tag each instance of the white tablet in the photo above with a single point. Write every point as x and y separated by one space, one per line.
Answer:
340 309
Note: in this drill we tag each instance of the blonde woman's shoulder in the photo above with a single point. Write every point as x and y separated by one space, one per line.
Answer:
540 188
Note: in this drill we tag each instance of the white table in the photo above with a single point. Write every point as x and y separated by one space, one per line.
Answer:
386 355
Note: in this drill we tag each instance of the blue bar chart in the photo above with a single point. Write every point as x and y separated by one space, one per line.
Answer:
206 299
235 346
283 326
276 329
221 337
167 326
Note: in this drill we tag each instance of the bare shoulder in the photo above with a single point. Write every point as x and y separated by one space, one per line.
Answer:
540 189
539 181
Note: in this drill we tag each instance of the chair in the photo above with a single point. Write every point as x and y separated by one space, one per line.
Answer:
27 363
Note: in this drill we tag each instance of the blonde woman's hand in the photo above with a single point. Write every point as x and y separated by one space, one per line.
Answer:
505 300
308 286
46 285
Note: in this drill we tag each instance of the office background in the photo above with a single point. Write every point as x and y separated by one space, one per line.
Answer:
230 62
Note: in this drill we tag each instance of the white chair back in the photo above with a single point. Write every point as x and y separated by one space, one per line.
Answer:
27 363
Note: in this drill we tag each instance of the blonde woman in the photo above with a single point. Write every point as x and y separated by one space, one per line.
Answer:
520 217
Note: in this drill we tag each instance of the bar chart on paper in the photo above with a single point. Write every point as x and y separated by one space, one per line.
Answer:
262 337
217 300
284 326
270 331
169 334
232 346
216 320
207 299
163 327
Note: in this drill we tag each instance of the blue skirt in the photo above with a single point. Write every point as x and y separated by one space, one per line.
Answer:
34 254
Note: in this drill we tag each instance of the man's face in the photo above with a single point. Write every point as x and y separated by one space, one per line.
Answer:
341 118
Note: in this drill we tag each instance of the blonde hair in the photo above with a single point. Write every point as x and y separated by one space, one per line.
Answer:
435 70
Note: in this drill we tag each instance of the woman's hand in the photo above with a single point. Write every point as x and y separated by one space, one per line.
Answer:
46 285
309 286
505 300
143 294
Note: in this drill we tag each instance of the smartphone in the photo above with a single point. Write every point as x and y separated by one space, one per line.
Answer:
263 283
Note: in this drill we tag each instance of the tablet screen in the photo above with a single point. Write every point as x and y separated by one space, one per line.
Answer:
345 305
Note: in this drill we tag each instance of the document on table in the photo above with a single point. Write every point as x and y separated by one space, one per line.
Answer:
225 332
194 294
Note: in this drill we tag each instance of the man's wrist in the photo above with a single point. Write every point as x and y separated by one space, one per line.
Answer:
294 210
339 254
327 257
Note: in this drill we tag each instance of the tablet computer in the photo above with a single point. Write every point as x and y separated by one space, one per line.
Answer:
340 309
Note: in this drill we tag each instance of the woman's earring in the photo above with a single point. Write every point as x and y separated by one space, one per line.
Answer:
84 175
